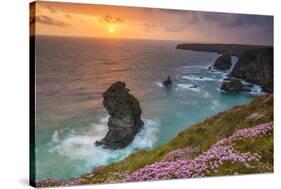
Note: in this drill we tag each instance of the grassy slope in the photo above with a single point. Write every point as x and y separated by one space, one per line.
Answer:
203 136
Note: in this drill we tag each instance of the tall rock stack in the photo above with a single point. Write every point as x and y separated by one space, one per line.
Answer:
125 117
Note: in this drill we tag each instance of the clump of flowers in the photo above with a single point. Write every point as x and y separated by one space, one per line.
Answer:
179 154
207 162
116 177
178 163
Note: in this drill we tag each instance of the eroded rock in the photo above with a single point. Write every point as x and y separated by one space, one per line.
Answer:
223 62
125 116
234 85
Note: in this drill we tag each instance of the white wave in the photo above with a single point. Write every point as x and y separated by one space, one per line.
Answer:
206 95
215 104
220 90
159 84
82 147
55 137
198 78
188 86
195 66
255 90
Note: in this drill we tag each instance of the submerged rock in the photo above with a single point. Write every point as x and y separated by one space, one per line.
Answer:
234 85
167 82
223 62
125 116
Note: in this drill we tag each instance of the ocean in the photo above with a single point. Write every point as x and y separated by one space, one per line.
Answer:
71 75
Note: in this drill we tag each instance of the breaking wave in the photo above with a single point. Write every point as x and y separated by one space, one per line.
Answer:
81 146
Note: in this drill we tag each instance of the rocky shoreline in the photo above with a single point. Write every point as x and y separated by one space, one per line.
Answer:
254 65
249 127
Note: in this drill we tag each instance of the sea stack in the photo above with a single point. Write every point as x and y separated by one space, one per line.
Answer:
234 85
167 82
125 117
223 62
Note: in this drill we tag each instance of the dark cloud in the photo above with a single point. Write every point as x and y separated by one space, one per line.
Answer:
236 20
51 9
111 20
258 25
43 19
149 27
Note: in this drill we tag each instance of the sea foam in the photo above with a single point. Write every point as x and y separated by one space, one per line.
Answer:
82 147
188 87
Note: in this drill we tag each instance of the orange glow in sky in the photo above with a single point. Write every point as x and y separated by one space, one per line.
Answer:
71 19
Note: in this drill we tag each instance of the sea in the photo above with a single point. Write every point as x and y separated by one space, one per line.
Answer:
71 75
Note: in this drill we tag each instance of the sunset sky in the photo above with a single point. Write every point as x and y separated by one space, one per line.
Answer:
69 19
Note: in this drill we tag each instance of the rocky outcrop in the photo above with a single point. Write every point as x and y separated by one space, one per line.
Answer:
125 116
234 85
167 82
256 66
223 62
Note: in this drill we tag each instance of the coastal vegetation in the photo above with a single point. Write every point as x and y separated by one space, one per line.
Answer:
236 141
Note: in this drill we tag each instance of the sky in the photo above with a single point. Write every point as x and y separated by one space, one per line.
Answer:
89 20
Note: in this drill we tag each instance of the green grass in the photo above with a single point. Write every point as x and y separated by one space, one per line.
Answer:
203 136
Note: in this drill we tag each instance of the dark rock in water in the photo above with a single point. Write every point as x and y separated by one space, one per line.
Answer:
223 62
234 85
167 82
193 86
201 77
125 117
256 66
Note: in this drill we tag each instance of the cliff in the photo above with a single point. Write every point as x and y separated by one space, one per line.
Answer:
237 141
232 49
255 63
256 66
223 62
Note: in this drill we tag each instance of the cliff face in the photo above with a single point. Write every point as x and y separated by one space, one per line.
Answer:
223 62
255 63
256 66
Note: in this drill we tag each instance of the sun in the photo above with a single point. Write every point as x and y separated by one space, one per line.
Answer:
111 30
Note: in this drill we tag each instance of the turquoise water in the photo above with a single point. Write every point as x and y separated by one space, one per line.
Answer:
72 73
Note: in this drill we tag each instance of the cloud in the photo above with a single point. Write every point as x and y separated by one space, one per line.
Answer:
43 19
236 20
68 16
150 26
51 9
174 24
111 20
